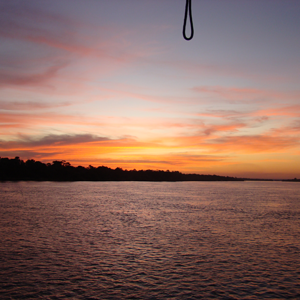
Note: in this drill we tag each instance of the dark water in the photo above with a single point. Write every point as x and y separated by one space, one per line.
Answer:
142 240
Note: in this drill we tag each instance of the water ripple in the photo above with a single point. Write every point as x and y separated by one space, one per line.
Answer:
139 240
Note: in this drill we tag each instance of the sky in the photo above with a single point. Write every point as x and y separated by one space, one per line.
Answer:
114 83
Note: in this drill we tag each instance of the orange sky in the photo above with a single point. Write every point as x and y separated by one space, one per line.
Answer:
114 83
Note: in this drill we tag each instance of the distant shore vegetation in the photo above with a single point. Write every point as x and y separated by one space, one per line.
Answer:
15 169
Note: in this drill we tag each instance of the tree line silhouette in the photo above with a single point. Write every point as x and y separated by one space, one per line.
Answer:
15 169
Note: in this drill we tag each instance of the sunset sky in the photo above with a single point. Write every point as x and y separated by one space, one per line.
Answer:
113 83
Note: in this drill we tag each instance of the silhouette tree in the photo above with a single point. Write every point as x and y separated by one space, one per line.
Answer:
61 170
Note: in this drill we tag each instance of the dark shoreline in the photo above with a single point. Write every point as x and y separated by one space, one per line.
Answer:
15 169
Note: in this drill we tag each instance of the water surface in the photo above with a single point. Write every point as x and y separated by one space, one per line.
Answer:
150 240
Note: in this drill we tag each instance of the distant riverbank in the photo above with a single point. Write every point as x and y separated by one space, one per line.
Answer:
16 169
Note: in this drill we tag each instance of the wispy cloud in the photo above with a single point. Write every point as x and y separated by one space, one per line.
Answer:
58 47
32 79
23 21
255 143
288 111
51 140
248 95
30 105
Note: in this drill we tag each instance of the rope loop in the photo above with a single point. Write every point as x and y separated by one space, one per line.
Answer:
188 9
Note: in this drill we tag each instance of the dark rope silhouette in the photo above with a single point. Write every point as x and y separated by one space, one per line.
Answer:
188 9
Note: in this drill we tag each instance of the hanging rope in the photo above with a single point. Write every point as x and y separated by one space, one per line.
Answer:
188 9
